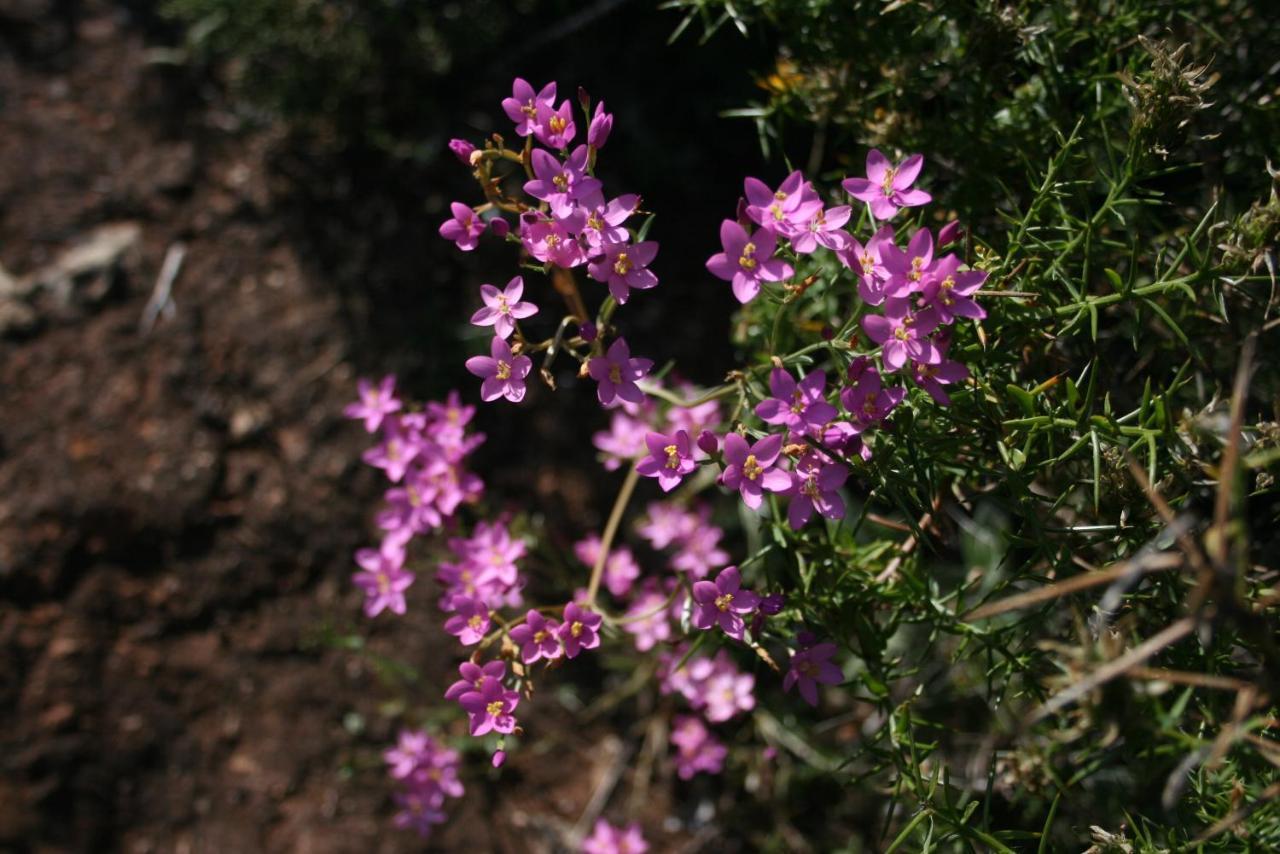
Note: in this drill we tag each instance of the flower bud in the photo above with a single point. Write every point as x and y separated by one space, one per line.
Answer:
587 331
584 99
498 758
462 150
708 442
772 604
950 233
600 128
499 226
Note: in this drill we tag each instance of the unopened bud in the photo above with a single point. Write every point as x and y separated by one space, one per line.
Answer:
708 442
499 226
463 150
950 233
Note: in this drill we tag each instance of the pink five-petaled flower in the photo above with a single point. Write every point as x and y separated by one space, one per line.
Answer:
670 459
868 262
909 270
616 373
502 308
555 128
604 222
375 403
950 291
747 260
903 333
579 630
537 638
607 839
471 620
563 185
824 228
797 405
932 378
552 241
623 266
751 467
474 677
503 373
383 577
490 708
811 666
785 210
723 603
522 106
815 484
464 228
866 399
886 187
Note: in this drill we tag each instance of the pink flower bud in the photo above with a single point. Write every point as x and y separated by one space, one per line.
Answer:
708 442
584 99
950 233
462 150
498 758
587 331
499 226
600 128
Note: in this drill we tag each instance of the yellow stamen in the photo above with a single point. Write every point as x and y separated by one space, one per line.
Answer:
504 370
751 467
575 628
494 709
724 601
673 456
622 265
748 260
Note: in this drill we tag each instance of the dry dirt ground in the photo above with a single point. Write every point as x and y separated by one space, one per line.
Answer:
179 497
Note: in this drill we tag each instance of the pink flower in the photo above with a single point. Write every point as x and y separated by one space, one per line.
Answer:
932 378
474 677
471 621
815 485
607 839
950 291
824 228
490 708
579 630
867 262
811 666
616 373
503 308
670 459
699 551
903 333
464 228
797 405
620 568
552 241
623 266
867 400
908 270
647 619
888 188
698 751
555 128
603 224
747 260
383 577
522 106
503 373
375 403
537 638
723 603
622 442
785 210
397 451
667 523
563 185
750 468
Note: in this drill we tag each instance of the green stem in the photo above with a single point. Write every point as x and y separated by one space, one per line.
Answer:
611 529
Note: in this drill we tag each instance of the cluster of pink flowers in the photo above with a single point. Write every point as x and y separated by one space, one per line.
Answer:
426 774
569 224
423 454
801 443
919 295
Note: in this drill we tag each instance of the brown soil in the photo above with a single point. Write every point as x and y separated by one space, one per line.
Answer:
179 500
